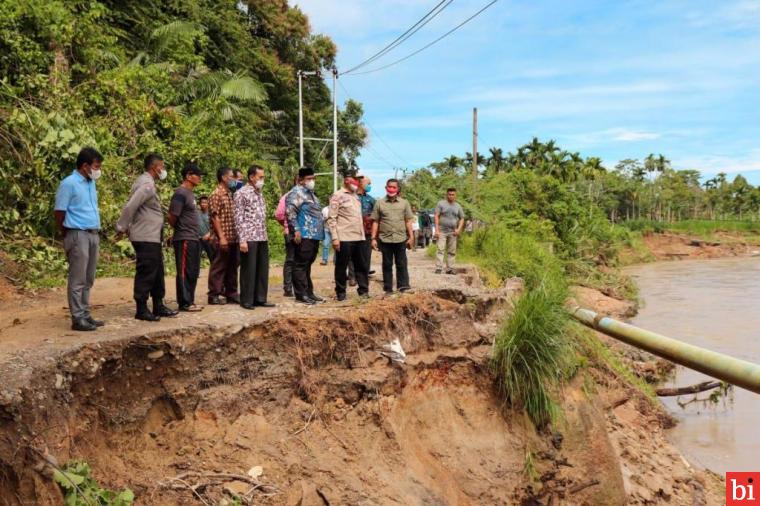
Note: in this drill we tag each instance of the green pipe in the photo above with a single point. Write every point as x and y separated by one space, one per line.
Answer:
723 367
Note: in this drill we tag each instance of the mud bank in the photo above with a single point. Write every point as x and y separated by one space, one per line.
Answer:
180 418
673 246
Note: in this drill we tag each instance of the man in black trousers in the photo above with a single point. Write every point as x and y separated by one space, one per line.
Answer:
251 226
307 227
392 235
143 218
347 232
183 217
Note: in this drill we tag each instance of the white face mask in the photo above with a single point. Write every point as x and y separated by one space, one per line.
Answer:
162 175
259 184
310 184
95 174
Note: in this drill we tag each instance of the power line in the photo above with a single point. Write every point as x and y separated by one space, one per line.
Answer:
430 44
377 134
404 36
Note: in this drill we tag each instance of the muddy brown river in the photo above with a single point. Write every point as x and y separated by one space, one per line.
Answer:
714 304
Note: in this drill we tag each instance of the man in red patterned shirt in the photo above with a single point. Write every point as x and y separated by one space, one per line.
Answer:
251 227
222 277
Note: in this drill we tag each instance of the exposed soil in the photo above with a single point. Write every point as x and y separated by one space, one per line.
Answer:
180 412
671 246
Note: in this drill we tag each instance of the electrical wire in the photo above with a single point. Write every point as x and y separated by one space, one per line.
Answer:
377 134
460 25
404 36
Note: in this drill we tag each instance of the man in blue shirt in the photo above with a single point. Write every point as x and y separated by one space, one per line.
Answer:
78 219
306 226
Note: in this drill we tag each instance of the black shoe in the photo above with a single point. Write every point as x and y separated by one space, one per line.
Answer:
233 300
371 273
341 297
306 300
287 293
215 300
146 316
82 325
264 304
97 323
315 297
164 311
450 271
438 271
404 289
248 306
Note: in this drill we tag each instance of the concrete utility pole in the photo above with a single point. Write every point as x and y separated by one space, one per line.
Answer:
300 121
474 150
302 73
335 130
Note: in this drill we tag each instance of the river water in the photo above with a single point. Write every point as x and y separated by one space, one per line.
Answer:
714 304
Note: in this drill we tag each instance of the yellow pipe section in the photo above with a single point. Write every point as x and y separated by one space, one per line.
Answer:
723 367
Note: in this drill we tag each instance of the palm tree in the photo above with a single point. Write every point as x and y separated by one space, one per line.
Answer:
496 161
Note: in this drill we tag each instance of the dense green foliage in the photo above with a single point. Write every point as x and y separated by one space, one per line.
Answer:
633 189
213 82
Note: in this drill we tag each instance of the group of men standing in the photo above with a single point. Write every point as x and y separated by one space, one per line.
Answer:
236 236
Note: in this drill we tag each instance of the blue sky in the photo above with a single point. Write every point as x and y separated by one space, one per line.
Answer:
609 79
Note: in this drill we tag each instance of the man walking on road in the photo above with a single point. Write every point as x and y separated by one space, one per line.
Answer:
347 232
143 218
183 217
449 221
306 226
392 235
78 219
251 227
223 274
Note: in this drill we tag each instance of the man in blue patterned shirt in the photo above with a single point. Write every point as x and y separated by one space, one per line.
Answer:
306 226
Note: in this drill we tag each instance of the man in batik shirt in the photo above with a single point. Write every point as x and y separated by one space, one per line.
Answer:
306 226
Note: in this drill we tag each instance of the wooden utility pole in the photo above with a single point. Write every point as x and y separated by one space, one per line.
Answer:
474 150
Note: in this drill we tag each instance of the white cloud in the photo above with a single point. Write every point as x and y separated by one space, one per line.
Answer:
712 164
634 136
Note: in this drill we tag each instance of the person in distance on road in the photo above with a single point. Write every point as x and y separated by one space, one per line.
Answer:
392 235
78 219
143 218
183 217
251 227
306 226
347 232
223 274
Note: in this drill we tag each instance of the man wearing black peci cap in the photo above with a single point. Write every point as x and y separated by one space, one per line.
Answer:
183 217
307 228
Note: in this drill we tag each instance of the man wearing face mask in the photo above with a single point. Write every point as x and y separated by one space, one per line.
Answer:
183 217
239 179
347 232
392 235
223 274
251 227
368 204
306 226
78 219
143 218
